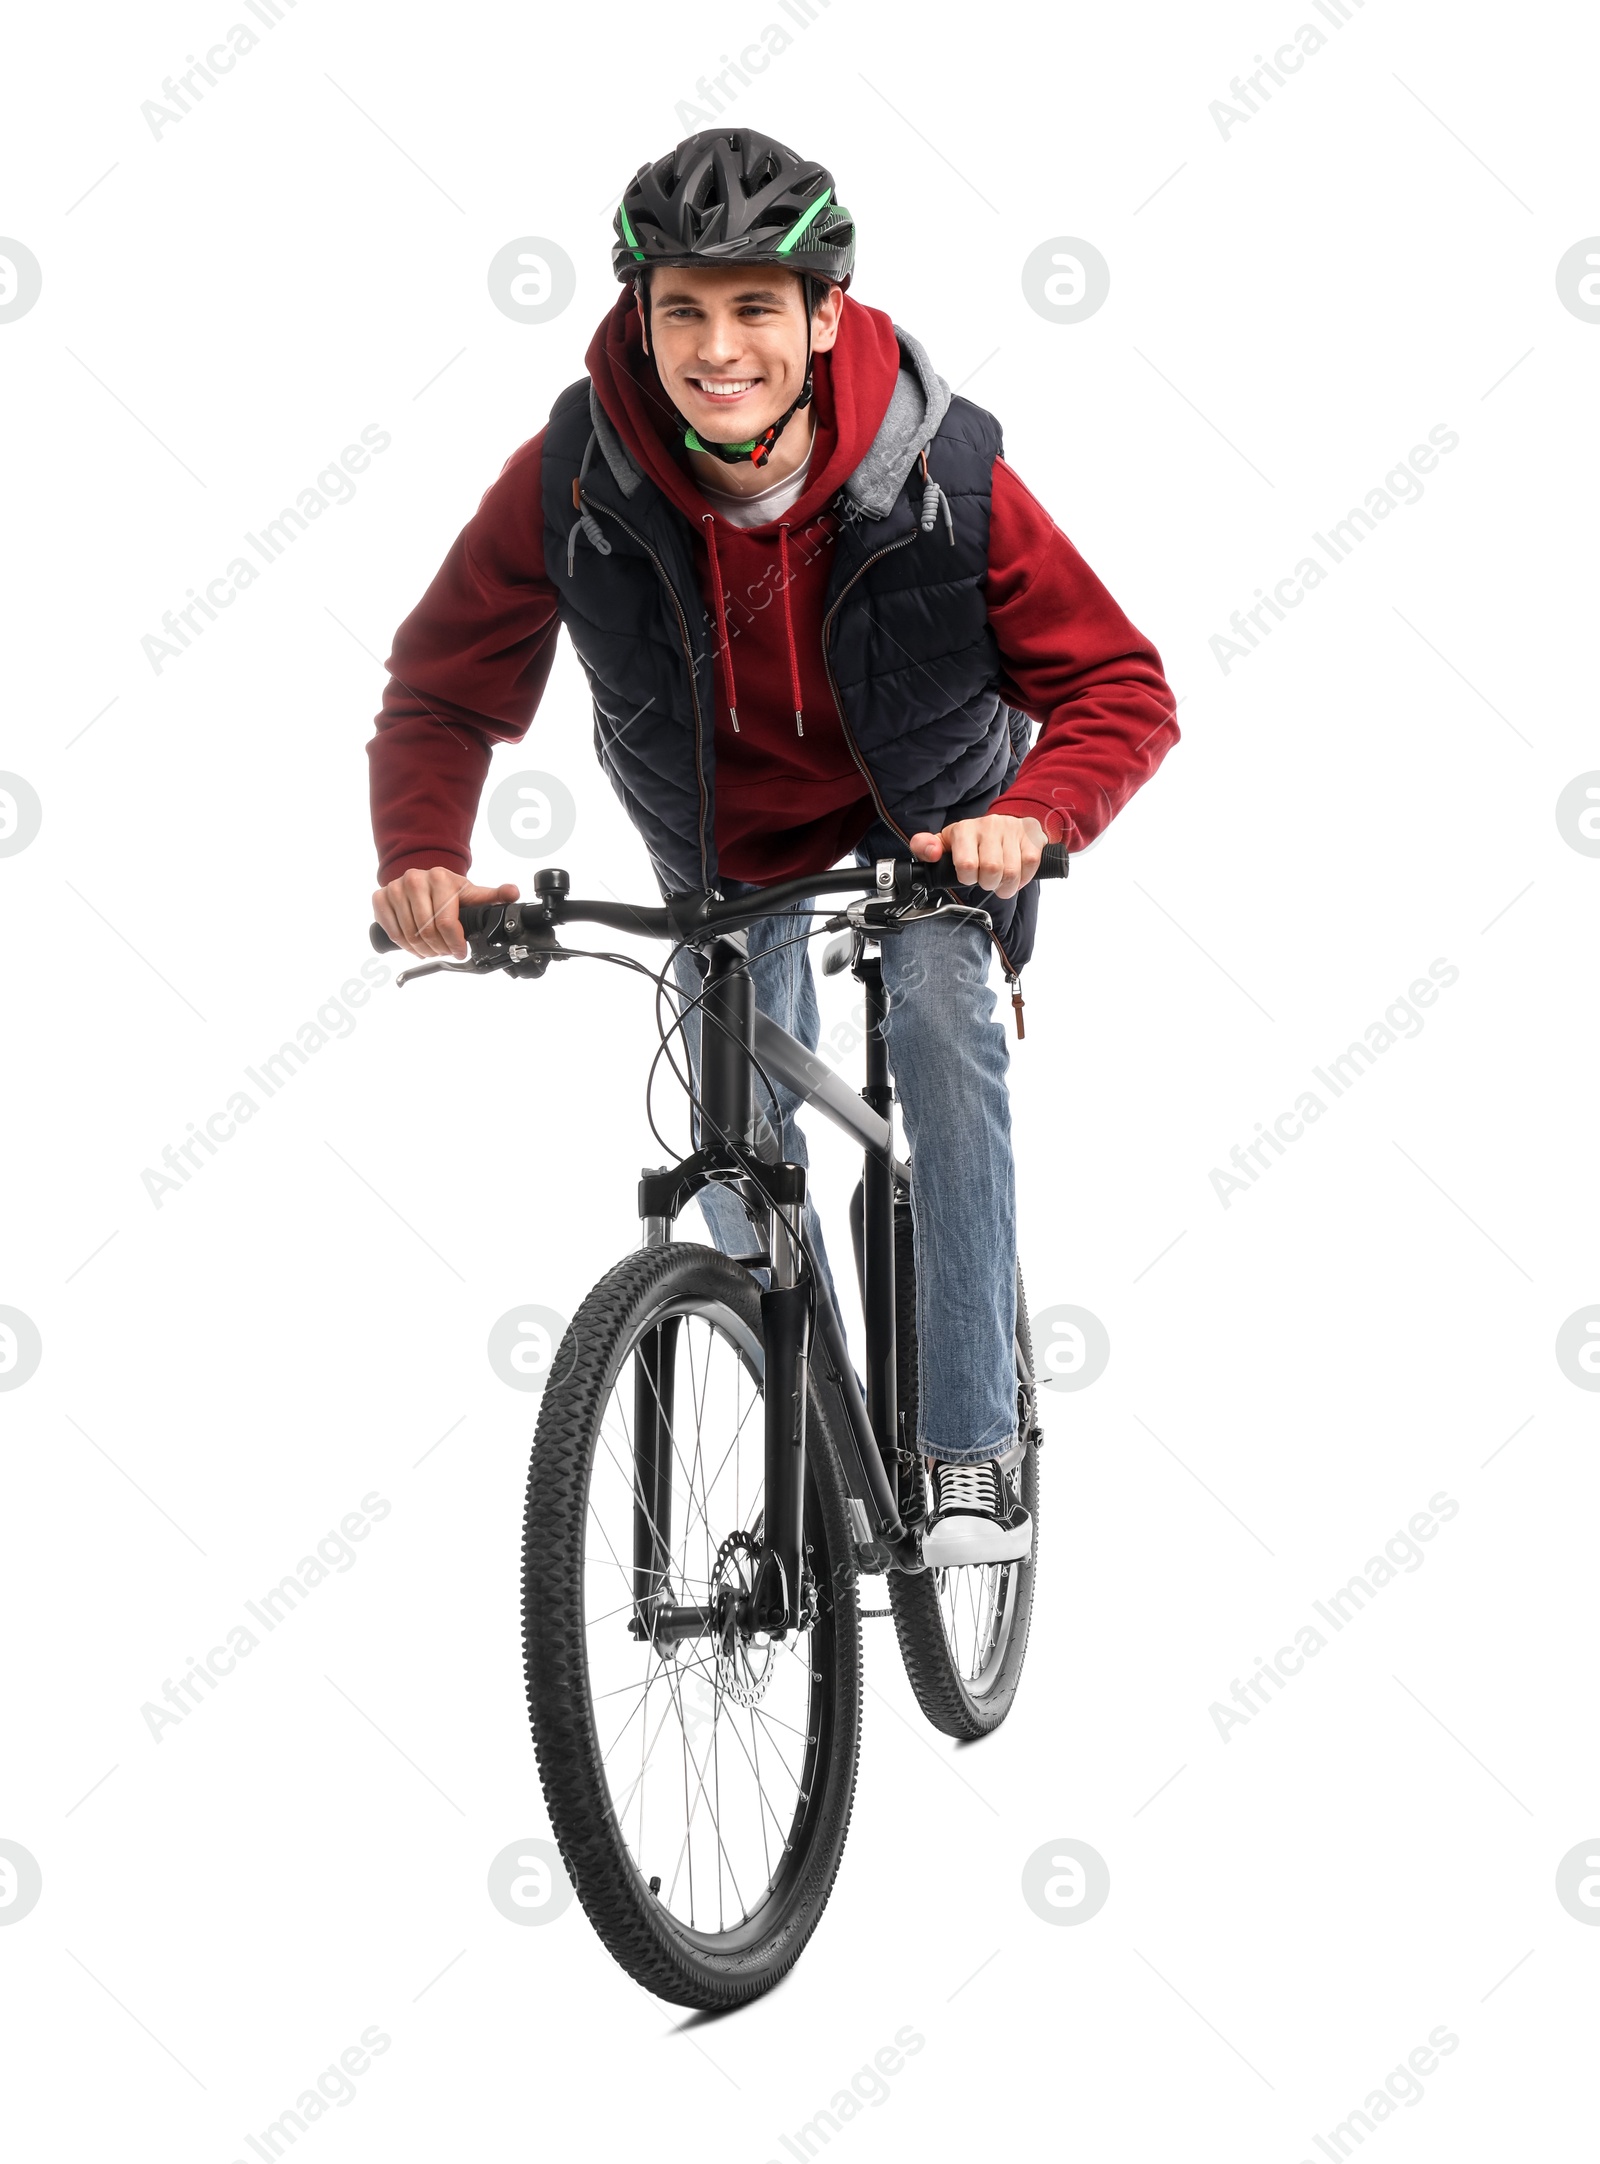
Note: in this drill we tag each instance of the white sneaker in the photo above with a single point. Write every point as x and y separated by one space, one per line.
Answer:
975 1518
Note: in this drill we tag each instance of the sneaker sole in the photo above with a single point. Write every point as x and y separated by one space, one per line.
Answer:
960 1543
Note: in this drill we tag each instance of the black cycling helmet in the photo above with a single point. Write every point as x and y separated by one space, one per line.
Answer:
735 196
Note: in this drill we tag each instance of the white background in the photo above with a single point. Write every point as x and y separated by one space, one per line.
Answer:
302 255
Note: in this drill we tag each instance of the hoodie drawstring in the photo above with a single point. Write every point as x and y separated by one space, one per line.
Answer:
788 626
709 521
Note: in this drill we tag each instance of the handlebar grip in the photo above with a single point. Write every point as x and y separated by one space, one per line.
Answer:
475 918
942 873
1053 864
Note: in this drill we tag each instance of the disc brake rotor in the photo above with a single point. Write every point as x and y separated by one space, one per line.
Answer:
744 1667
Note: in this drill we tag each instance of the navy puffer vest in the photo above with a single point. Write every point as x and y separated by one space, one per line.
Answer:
914 665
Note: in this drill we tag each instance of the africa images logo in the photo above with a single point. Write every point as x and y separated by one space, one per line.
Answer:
1399 1019
1402 484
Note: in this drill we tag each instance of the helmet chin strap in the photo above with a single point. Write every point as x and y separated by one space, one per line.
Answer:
758 449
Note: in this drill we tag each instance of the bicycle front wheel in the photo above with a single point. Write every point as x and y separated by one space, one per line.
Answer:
700 1791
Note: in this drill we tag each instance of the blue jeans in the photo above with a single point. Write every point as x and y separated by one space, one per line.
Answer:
948 1060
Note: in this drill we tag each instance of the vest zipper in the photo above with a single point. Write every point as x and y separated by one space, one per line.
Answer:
688 655
833 685
1013 977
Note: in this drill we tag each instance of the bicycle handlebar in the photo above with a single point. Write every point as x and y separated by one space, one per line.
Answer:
690 917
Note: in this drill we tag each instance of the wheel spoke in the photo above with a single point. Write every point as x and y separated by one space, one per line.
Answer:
666 1415
699 1773
761 1791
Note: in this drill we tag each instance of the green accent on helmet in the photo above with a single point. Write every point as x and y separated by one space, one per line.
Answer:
802 222
628 234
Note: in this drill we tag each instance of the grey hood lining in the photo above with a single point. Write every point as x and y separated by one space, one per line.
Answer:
612 449
919 402
917 405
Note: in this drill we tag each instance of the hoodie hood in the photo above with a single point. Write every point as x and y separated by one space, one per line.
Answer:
877 404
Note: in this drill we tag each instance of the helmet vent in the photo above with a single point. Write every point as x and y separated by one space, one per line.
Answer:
762 174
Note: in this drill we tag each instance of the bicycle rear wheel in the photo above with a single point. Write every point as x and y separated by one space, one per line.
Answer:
964 1633
700 1793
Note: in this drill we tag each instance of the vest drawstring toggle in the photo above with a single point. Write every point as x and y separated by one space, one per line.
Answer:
586 523
934 500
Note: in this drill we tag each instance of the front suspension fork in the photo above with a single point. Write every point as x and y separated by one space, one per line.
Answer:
774 1193
785 1331
654 1369
776 1597
776 1602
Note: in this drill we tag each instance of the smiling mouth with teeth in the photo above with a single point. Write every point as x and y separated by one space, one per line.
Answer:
732 387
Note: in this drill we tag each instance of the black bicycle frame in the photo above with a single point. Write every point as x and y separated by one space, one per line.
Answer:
803 1339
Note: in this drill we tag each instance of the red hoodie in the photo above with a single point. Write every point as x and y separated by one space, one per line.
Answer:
470 662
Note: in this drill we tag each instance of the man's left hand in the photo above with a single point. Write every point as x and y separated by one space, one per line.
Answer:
996 852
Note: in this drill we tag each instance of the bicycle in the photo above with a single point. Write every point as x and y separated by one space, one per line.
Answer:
692 1562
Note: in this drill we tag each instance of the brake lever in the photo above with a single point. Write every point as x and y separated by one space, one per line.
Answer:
479 966
873 915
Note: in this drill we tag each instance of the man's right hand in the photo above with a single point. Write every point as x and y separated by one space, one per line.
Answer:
418 910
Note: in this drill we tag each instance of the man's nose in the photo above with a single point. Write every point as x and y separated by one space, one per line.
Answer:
721 343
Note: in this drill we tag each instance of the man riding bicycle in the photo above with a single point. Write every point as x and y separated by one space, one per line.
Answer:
818 613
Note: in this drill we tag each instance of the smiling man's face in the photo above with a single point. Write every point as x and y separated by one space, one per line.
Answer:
730 347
